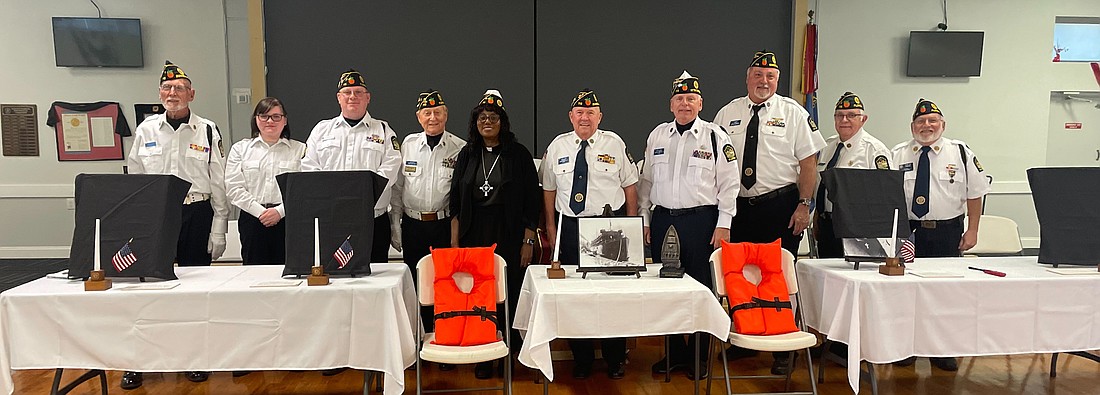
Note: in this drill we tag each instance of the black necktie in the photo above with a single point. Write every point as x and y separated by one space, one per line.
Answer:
751 140
920 190
580 181
821 188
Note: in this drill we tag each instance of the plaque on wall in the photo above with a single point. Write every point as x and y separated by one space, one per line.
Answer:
20 129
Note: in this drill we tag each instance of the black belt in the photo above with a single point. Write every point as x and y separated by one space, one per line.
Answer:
676 212
933 223
270 205
757 303
478 311
770 195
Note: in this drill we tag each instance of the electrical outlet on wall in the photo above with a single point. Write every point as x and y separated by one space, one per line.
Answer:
70 203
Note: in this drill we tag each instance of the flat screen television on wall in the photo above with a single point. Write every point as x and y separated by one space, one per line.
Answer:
945 54
97 42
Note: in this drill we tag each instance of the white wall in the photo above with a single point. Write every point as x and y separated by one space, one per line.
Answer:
1002 115
33 190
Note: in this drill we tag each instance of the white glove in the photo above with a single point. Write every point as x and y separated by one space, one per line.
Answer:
216 245
395 234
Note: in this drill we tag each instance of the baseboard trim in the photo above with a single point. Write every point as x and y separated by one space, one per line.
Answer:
35 252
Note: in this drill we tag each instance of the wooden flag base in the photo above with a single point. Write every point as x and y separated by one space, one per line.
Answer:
97 281
555 271
892 267
317 276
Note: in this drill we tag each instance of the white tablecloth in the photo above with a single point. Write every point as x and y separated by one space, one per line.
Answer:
610 306
214 321
888 318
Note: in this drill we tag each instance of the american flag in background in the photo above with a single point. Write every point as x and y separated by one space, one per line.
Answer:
344 253
908 251
124 257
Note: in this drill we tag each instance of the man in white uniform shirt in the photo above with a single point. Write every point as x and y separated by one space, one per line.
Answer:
354 140
419 207
689 180
777 141
187 146
851 147
944 182
583 171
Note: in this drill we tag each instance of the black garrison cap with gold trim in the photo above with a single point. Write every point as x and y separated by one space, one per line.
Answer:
686 84
764 58
492 97
586 98
849 101
429 98
925 107
172 72
350 78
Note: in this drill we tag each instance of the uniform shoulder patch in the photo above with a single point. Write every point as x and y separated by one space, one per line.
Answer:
630 158
810 121
882 163
396 145
978 164
727 150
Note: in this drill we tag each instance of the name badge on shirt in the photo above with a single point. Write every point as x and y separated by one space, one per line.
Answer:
605 158
151 144
906 167
410 163
735 122
658 151
563 160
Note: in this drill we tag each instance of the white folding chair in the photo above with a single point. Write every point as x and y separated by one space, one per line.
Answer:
800 340
997 236
462 354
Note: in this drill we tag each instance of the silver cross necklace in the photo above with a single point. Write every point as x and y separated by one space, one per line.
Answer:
485 187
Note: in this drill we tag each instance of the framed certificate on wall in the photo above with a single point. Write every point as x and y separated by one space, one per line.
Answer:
88 131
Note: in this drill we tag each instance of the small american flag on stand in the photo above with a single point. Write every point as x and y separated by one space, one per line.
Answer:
124 257
344 253
908 250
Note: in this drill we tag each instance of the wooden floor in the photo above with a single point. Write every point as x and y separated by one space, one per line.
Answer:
1019 374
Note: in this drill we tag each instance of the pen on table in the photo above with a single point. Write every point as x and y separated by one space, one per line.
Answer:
987 271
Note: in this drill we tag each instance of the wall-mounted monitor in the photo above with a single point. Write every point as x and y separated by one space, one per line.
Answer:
97 42
945 54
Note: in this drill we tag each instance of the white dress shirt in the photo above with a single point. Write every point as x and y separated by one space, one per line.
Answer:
862 151
369 145
689 171
609 171
950 184
785 136
424 181
185 153
250 171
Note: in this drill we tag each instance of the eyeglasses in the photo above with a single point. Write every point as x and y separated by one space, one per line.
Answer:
177 88
850 117
353 93
271 117
490 118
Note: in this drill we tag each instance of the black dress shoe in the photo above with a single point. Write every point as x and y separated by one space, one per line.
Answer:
948 364
734 353
906 362
483 370
659 367
779 367
198 377
581 370
616 370
702 371
333 371
241 373
446 367
131 380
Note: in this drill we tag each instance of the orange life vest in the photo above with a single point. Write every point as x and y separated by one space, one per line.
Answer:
465 319
764 308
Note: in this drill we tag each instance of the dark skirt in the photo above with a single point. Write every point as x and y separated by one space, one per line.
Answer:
489 225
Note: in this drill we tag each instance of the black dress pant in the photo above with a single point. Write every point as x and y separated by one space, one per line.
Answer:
614 350
695 227
195 234
380 248
261 245
937 239
417 239
828 245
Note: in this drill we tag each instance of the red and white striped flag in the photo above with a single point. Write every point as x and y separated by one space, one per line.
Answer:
908 251
124 257
344 253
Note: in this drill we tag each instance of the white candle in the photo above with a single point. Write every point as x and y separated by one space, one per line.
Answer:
316 242
96 266
557 240
894 236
